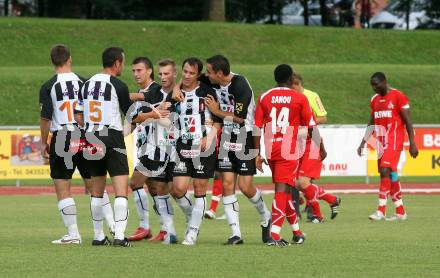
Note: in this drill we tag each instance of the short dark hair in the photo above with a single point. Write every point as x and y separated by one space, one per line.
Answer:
167 62
59 54
283 73
193 61
111 55
297 78
219 63
379 76
146 62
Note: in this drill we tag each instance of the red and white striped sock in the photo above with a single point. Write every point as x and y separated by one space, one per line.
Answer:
311 194
291 216
278 214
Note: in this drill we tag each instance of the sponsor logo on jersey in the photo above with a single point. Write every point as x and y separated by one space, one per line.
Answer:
383 114
281 99
190 124
239 107
233 146
190 153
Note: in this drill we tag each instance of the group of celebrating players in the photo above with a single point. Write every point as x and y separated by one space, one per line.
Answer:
205 126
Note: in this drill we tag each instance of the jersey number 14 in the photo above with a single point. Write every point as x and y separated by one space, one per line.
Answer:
280 123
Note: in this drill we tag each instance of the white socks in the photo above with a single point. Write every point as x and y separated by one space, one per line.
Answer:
259 204
141 201
166 212
185 205
121 216
197 214
232 210
67 209
108 212
97 217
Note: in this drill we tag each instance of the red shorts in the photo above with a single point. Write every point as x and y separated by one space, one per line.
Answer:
283 171
310 168
389 159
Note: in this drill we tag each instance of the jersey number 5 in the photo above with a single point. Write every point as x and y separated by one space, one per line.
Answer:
95 112
280 123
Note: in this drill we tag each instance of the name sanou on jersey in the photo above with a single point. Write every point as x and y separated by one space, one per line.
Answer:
281 99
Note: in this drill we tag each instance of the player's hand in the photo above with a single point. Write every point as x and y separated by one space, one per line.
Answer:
259 161
212 104
44 149
322 153
164 105
205 144
209 122
163 113
177 93
413 151
360 149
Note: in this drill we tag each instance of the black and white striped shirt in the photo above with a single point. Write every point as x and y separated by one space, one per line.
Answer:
191 115
104 98
154 140
59 98
237 97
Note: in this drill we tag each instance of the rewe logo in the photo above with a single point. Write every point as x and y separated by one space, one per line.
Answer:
383 114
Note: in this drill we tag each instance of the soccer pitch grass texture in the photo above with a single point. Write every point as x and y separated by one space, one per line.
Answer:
349 246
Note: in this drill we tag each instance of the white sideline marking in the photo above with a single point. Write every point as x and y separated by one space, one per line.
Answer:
356 191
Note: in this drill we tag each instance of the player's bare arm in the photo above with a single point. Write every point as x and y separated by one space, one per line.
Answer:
44 129
155 114
177 92
259 160
413 150
209 138
366 136
214 107
137 97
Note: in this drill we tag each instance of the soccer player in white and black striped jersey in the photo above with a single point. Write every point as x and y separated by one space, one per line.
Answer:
58 98
196 144
105 97
154 166
236 108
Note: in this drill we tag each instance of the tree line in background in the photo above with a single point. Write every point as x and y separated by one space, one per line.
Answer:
267 11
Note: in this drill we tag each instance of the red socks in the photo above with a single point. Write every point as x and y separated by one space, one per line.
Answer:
322 195
291 216
396 196
384 190
217 191
311 194
278 213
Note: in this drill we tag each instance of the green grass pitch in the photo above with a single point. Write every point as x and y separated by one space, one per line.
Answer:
349 246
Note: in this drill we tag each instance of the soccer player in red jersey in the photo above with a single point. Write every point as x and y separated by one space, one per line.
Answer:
388 119
281 111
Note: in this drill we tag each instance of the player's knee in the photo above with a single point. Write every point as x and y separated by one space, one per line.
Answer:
385 172
303 182
177 192
394 176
